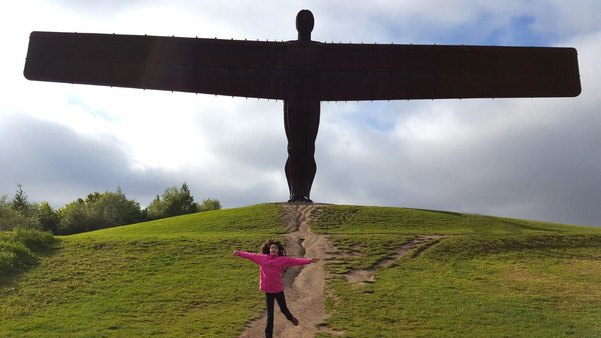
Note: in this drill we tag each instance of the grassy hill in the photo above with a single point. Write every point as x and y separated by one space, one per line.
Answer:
492 277
175 277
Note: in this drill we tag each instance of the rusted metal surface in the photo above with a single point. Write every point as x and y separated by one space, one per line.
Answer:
392 72
209 66
349 72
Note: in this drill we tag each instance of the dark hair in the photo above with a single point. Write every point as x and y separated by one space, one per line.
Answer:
266 245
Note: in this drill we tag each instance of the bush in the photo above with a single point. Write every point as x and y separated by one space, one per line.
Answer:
210 204
173 202
98 211
73 218
47 217
14 254
11 218
34 239
18 247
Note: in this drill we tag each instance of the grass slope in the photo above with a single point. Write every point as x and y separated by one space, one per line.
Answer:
493 277
175 277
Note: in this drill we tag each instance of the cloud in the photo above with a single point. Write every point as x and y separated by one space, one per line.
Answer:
57 164
49 155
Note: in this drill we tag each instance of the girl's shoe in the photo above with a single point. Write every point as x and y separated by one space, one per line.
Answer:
294 321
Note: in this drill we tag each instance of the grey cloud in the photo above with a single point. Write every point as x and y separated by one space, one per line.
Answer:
93 7
56 164
547 177
456 22
547 169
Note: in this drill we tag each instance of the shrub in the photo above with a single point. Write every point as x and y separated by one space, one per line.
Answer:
18 247
14 254
11 218
173 202
98 211
210 204
34 239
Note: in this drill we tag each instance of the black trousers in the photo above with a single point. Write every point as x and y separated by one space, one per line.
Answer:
269 297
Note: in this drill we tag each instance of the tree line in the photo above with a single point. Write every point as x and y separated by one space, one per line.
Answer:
97 210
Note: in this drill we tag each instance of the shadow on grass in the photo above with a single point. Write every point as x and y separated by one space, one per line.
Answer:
9 277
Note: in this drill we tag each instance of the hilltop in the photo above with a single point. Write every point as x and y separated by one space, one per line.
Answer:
386 272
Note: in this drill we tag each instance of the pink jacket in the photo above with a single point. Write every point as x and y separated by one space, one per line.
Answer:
271 269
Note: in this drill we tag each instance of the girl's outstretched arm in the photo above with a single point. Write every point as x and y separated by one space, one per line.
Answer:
292 261
256 258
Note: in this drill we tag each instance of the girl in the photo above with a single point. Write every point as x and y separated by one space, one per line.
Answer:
272 262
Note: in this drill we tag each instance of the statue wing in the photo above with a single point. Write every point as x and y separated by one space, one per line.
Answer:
258 69
209 66
392 72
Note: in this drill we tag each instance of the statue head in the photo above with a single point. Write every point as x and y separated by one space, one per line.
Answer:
304 24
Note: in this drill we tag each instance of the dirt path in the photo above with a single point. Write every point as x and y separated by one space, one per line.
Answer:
304 286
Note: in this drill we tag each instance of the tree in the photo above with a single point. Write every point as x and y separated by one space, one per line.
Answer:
47 217
112 209
11 218
8 215
156 208
187 204
19 202
173 202
98 211
210 204
73 218
179 201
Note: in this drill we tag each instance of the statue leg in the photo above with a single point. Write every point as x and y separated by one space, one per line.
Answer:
301 127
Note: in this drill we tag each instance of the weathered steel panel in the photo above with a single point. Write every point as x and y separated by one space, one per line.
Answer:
393 72
210 66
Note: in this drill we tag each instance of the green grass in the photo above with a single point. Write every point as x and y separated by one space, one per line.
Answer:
493 277
173 277
385 220
523 294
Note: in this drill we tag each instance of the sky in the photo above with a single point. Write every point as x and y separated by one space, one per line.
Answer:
536 159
